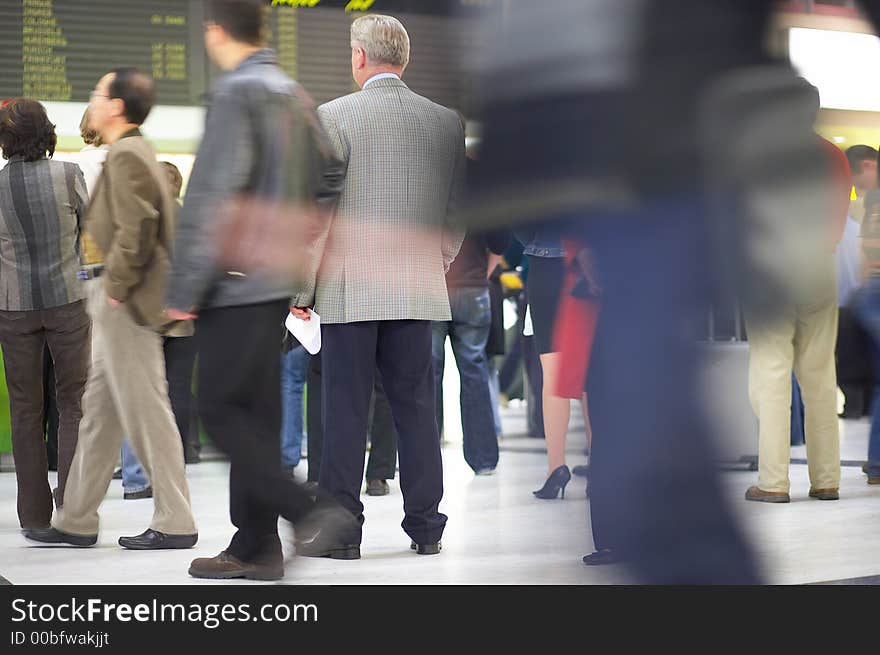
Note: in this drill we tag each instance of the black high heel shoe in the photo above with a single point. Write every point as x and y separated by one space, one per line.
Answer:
555 483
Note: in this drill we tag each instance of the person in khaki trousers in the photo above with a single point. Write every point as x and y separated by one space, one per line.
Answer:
801 336
129 230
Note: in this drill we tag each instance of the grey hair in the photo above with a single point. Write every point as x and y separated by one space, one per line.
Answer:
383 38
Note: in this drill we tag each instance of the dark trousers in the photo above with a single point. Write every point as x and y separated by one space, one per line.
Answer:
855 370
523 361
180 357
402 352
655 496
239 397
23 337
382 463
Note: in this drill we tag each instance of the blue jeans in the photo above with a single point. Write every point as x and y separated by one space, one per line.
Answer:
294 370
866 304
494 393
797 414
133 477
469 331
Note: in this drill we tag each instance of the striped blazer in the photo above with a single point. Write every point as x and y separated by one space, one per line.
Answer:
390 242
42 204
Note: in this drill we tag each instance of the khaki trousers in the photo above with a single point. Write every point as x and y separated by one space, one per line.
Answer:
803 339
126 396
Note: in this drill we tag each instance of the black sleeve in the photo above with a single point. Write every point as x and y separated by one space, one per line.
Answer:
498 240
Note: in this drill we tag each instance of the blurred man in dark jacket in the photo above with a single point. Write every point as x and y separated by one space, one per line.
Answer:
262 145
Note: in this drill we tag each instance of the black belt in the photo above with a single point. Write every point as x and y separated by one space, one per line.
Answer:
90 272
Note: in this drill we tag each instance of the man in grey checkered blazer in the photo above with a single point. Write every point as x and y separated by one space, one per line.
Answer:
381 279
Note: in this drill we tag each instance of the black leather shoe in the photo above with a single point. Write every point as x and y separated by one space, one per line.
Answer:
59 538
604 556
426 549
377 487
138 495
329 531
153 540
581 470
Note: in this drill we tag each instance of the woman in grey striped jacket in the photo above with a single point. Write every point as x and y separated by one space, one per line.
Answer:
42 205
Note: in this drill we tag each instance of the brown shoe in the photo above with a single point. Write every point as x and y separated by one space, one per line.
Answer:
225 566
377 488
825 494
874 479
756 493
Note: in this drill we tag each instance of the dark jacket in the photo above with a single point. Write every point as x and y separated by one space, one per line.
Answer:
263 141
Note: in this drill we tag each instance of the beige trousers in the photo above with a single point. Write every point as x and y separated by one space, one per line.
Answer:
126 396
800 339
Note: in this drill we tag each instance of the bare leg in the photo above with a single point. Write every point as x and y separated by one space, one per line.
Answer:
556 413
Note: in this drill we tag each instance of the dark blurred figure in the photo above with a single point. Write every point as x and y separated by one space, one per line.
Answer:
855 365
600 129
520 374
42 206
866 305
863 167
263 141
180 357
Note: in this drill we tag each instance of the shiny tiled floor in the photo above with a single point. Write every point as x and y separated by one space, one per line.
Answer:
497 532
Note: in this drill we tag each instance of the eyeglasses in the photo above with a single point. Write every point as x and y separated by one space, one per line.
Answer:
95 94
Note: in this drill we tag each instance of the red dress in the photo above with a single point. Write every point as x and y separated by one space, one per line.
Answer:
574 331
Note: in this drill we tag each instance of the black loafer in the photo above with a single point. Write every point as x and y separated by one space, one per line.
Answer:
153 540
426 549
600 557
58 538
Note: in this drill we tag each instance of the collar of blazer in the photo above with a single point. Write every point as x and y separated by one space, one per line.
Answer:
132 132
384 83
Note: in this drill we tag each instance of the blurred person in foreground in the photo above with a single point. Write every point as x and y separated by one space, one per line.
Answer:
261 166
800 335
405 167
613 130
129 225
42 206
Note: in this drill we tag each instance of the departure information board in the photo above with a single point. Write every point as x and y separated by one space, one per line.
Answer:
58 49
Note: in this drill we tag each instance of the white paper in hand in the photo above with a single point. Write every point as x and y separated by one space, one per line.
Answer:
308 333
528 328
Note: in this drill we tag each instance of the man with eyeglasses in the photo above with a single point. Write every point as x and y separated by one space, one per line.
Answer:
129 227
